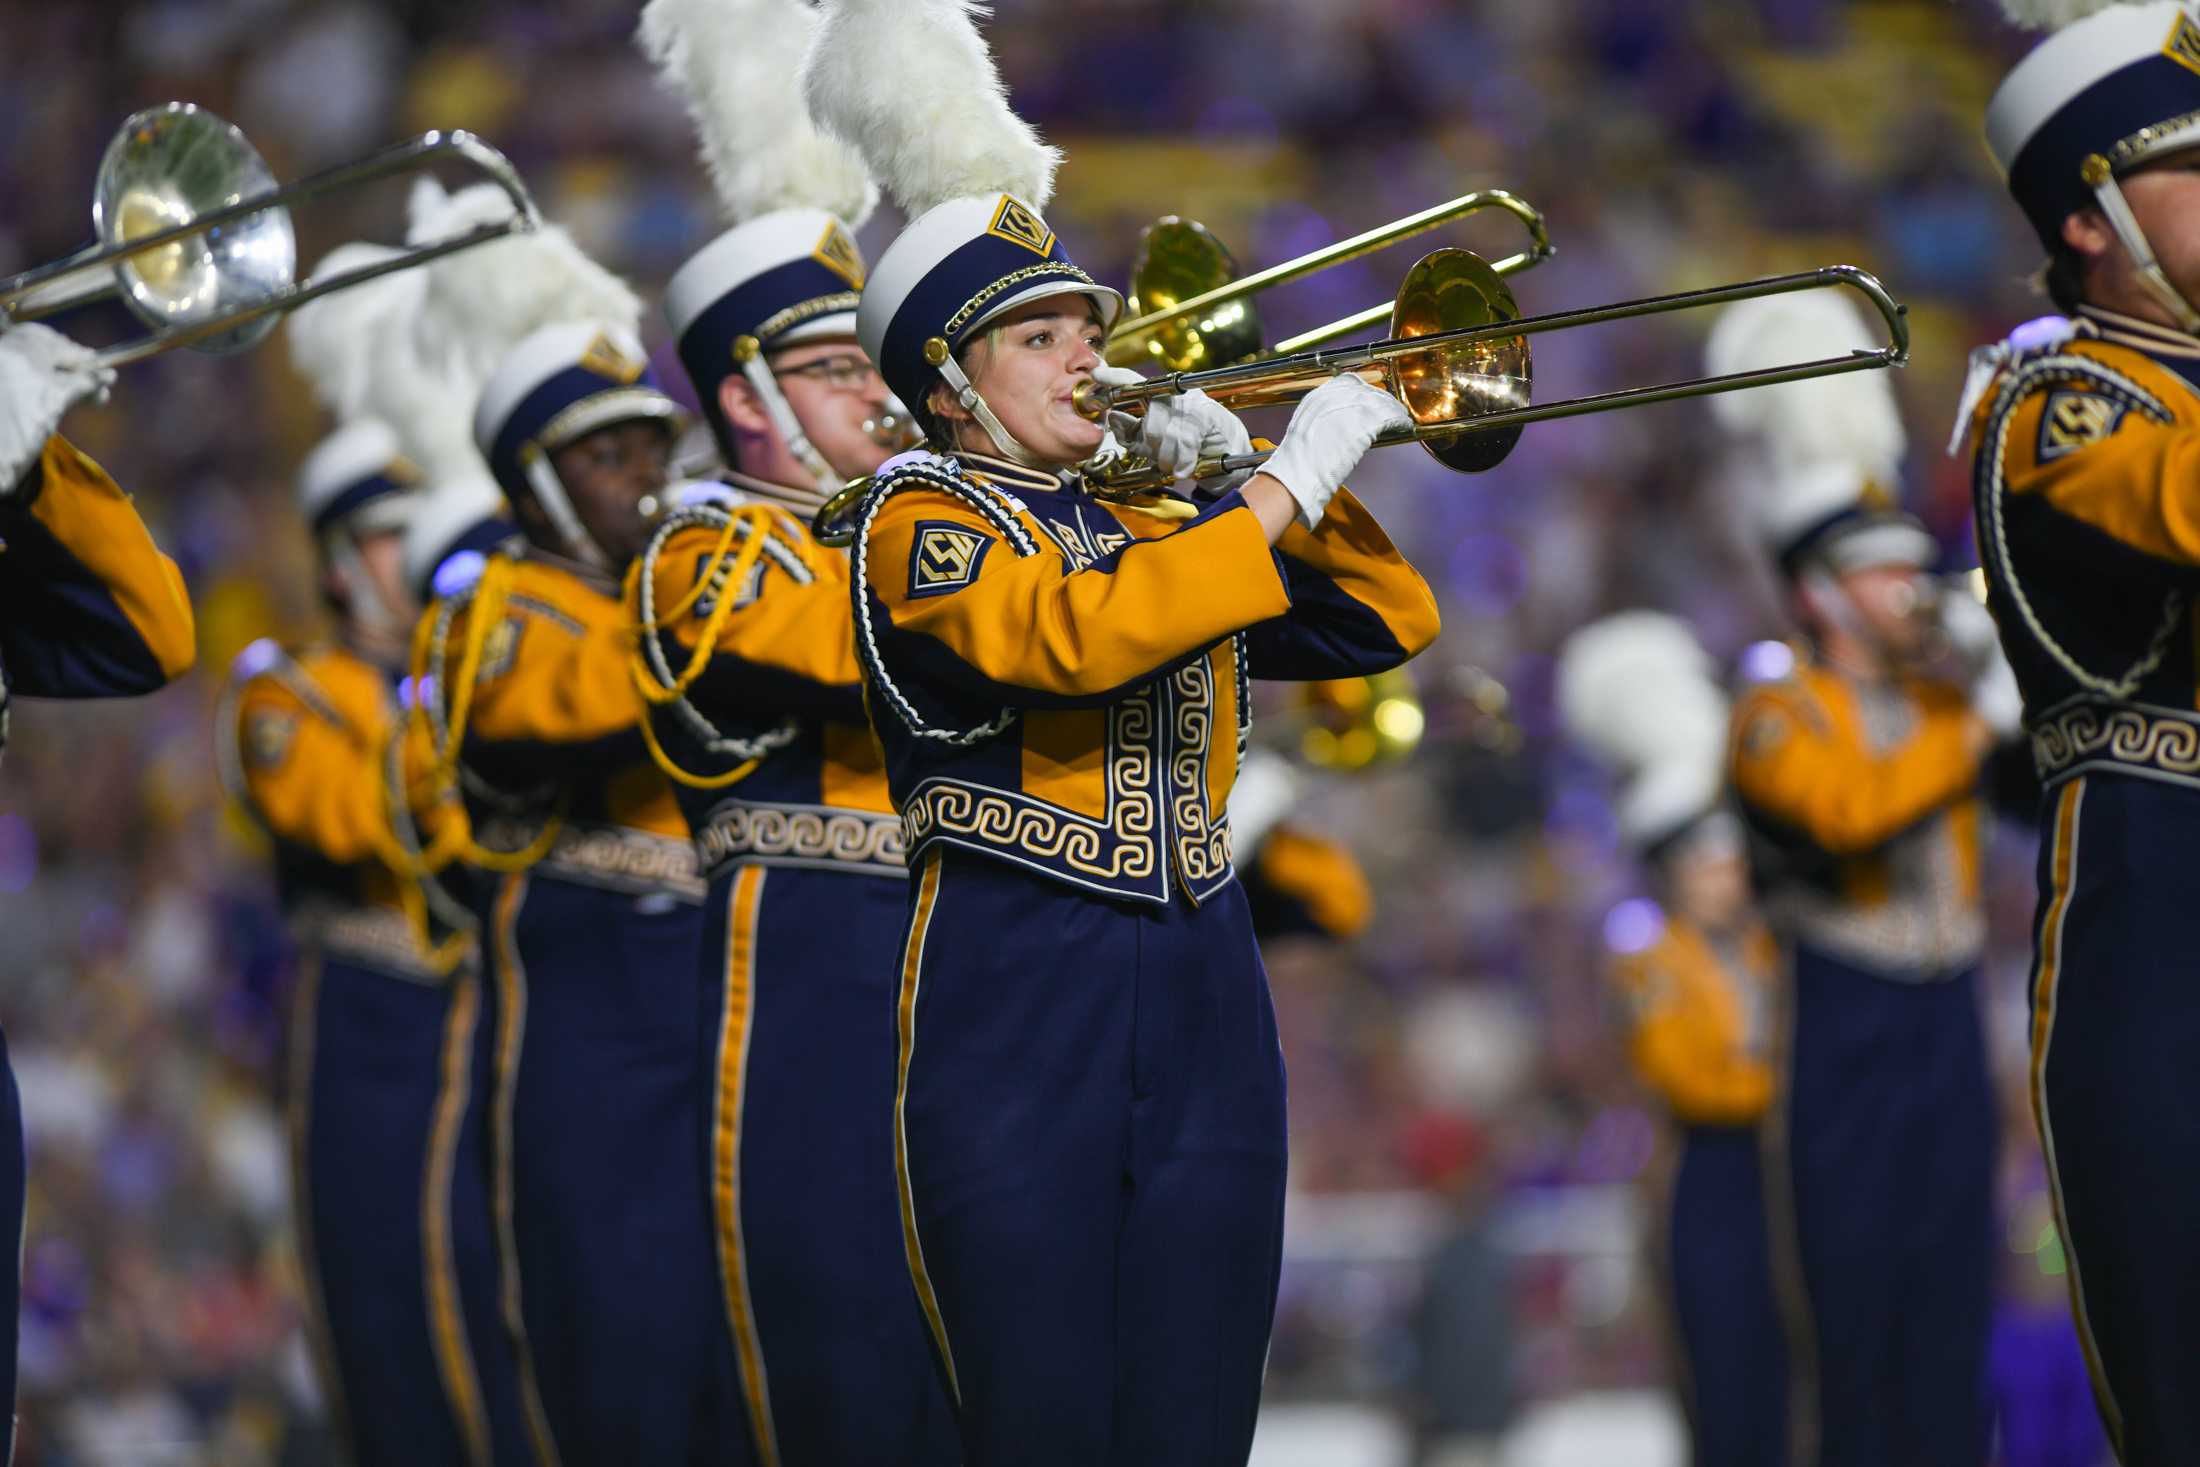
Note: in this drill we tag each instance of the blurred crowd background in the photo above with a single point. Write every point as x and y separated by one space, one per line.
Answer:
1472 1168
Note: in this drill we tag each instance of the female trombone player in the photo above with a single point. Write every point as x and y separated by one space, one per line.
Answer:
1089 1106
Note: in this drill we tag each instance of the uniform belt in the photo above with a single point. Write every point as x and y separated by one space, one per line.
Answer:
615 857
375 937
2127 738
823 837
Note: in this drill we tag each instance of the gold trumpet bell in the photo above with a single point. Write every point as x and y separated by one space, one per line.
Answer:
1449 290
170 165
1179 259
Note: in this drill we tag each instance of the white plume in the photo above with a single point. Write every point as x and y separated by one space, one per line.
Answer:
1851 418
912 85
482 302
1637 689
737 64
341 342
2053 15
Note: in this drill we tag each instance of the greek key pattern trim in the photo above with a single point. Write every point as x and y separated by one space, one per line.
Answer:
1202 844
610 856
2158 741
375 937
809 835
1124 848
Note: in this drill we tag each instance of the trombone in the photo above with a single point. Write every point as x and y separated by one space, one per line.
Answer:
1195 310
1458 357
195 235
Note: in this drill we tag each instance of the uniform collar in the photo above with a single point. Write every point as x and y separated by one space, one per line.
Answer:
2150 337
1006 474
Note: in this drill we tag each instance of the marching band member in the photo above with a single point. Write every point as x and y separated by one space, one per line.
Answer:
776 768
588 891
387 1110
1636 690
1858 775
1297 883
2084 432
89 608
1089 1113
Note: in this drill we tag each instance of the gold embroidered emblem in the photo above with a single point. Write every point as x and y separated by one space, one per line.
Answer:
1018 225
838 253
604 358
2073 420
267 737
2183 45
947 558
1764 732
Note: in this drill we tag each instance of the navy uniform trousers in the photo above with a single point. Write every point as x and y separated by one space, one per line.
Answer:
1092 1156
1726 1313
388 1130
826 1343
2116 1028
605 1228
1891 1135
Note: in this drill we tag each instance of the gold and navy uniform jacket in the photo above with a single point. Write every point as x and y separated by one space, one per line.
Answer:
780 764
546 727
89 607
1863 809
1298 883
1061 682
307 743
1698 1021
2086 491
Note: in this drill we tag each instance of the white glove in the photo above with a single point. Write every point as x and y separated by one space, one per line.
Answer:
1329 433
1177 432
42 375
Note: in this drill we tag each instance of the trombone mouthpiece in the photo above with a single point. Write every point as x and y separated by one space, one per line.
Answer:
1093 399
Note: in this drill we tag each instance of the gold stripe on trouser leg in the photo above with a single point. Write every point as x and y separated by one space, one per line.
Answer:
2046 981
738 996
512 1003
905 1025
1783 1242
305 999
446 1310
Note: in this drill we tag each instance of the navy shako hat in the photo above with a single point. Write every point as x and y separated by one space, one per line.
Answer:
558 386
952 272
2093 101
354 479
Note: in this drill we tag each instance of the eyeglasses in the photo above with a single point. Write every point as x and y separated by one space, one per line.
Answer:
849 373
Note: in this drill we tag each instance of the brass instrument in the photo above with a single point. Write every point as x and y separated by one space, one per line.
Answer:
195 235
1458 358
1189 309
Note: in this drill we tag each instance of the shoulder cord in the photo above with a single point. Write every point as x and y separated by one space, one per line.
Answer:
447 735
990 504
727 568
1989 488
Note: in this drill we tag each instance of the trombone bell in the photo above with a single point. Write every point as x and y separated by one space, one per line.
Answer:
1452 290
166 167
1180 259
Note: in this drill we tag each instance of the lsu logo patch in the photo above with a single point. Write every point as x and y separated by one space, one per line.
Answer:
752 585
267 737
2075 420
2183 45
946 559
1765 732
838 253
1018 225
604 358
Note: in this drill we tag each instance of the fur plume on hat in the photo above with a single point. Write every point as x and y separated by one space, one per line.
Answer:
737 64
912 85
2053 15
1851 418
340 343
484 301
1637 688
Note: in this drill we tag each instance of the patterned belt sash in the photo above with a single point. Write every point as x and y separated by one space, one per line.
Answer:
610 856
374 937
2128 738
823 837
